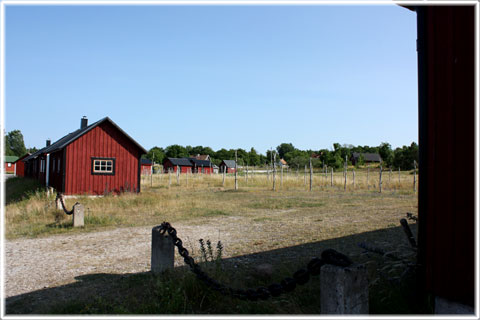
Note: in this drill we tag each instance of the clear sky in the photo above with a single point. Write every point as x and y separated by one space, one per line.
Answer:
217 76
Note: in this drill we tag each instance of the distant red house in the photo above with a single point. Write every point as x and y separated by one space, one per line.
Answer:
146 167
201 166
20 166
182 164
10 164
227 165
95 159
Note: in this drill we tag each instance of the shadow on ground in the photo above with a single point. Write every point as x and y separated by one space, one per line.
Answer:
111 287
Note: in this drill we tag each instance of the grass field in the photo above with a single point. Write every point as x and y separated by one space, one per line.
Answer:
291 219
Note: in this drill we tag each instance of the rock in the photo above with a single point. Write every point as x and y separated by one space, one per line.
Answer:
264 270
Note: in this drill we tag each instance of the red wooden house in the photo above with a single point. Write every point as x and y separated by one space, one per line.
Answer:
171 164
146 167
10 164
95 159
228 166
20 166
201 166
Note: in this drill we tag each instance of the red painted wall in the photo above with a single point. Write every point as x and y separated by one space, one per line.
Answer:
103 141
10 169
146 169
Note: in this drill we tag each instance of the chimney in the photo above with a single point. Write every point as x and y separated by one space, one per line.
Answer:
83 122
48 142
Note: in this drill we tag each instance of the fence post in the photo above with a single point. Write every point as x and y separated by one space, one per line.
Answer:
78 215
331 177
223 181
162 251
368 172
274 170
414 176
236 169
311 174
353 178
305 176
343 290
380 180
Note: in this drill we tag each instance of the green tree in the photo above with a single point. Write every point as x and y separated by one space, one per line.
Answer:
14 144
176 151
385 151
285 148
156 154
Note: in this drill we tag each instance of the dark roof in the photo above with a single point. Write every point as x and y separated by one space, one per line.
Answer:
147 161
72 136
368 156
229 163
199 163
184 162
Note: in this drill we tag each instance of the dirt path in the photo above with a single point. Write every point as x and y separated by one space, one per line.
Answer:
33 264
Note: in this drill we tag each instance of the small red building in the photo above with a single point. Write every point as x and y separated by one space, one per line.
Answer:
201 166
20 166
146 167
95 159
228 166
171 164
10 164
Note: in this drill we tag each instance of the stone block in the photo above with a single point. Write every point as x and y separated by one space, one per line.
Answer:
163 251
344 290
78 215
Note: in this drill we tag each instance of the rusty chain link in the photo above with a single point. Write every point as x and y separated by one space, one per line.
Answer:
288 284
60 196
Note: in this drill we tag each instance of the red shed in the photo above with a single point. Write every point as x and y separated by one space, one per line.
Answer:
96 159
20 166
228 166
171 164
146 167
10 164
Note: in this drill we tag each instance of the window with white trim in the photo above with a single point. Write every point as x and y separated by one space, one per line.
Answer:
103 166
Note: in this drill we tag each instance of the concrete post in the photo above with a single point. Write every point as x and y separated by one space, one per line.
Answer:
162 251
78 215
343 290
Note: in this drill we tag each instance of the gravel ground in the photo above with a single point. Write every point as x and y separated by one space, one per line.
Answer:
33 264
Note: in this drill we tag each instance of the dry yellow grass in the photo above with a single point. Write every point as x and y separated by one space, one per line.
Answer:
330 209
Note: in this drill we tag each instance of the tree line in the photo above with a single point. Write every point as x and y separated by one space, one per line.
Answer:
402 158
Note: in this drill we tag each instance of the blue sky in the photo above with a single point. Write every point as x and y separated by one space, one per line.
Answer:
218 76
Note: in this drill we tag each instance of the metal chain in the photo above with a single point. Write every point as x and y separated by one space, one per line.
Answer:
59 196
288 284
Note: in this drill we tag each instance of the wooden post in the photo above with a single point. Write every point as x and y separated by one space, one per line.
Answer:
331 177
345 175
223 181
390 177
311 175
380 180
169 177
274 171
414 176
325 167
305 176
178 175
236 169
186 177
398 177
281 178
266 168
353 179
368 172
246 175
